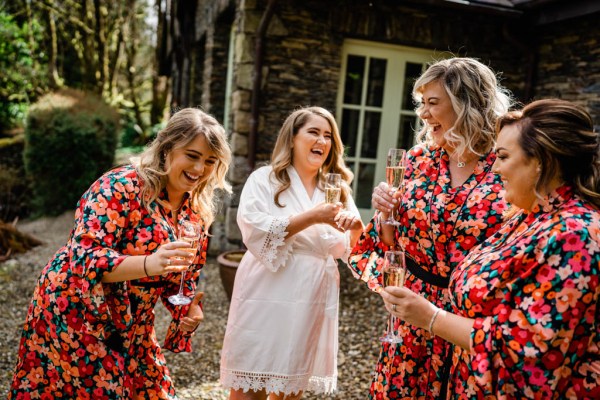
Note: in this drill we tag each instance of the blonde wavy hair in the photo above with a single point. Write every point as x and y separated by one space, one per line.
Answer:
477 98
183 127
282 156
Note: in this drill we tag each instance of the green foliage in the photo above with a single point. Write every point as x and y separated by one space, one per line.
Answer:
14 190
20 78
70 140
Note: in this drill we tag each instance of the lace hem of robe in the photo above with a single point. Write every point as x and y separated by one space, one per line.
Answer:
269 254
273 383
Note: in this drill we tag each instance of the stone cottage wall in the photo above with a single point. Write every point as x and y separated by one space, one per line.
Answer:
302 62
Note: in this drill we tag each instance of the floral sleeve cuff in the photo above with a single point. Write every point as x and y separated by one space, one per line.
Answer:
178 341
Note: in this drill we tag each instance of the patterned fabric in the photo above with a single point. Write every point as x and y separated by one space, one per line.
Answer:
438 226
86 339
533 290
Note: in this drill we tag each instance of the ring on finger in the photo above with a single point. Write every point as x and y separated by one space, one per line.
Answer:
168 261
393 307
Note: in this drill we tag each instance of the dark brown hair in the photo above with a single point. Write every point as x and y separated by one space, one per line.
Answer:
560 134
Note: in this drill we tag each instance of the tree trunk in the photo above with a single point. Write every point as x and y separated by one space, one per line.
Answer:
160 82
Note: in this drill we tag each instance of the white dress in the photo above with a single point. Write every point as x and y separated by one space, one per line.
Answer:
282 332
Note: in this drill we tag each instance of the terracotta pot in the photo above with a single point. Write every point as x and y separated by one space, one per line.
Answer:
228 263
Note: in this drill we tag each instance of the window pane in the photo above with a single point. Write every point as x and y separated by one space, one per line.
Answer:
406 133
377 67
355 71
370 137
365 178
350 130
412 72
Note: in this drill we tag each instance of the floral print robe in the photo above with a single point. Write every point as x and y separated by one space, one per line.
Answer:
86 339
438 226
533 290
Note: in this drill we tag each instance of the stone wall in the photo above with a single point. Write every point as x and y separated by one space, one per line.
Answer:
302 61
569 63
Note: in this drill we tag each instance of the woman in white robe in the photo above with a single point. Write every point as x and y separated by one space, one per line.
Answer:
281 337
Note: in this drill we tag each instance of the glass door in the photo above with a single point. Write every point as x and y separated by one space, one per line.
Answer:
375 109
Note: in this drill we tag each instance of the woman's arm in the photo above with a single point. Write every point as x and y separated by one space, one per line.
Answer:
158 263
417 311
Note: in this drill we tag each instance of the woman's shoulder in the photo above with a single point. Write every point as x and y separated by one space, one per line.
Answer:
122 178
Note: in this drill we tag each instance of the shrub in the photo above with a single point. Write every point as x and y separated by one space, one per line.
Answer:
14 190
70 140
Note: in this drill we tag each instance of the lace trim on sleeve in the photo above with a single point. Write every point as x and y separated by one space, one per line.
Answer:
270 255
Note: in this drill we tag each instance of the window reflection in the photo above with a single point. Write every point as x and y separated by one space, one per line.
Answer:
376 84
349 130
355 70
370 137
411 73
365 177
406 134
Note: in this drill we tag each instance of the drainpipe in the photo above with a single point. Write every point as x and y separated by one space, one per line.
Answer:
258 62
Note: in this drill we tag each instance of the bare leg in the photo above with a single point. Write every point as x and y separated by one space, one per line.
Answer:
293 396
249 395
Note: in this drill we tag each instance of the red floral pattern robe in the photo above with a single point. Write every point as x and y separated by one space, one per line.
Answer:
438 226
533 290
86 339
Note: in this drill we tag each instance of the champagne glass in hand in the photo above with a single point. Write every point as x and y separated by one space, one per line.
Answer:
394 173
333 191
189 232
394 273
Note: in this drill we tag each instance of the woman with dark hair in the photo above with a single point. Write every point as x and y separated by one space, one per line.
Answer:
450 202
525 302
89 332
281 337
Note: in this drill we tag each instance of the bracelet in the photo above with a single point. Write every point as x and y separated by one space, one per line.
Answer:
433 317
146 272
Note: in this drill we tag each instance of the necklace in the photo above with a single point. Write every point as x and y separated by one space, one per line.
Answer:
475 180
460 164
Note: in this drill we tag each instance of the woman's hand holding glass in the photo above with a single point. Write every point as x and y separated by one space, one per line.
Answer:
409 306
385 199
333 192
394 274
161 261
189 233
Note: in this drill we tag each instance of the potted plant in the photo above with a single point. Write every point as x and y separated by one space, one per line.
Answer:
228 263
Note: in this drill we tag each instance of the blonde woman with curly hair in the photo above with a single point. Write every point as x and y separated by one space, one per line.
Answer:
89 332
281 337
451 202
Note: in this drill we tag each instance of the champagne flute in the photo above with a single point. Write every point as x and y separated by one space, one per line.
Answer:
394 273
394 173
189 232
333 192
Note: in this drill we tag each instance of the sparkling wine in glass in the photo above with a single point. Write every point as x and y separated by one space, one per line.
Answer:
189 232
394 174
333 192
394 273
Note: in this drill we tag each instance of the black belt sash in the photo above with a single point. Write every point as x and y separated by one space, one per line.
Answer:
426 276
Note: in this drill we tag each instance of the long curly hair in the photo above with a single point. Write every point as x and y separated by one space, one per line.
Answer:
560 134
282 153
183 127
477 98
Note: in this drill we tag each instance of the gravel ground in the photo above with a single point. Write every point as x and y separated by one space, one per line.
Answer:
362 319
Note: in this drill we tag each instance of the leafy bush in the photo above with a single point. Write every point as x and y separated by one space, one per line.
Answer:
70 140
21 76
14 190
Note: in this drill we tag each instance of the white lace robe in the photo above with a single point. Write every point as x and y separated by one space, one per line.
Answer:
282 332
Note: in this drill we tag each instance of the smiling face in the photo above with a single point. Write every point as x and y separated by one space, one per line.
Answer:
188 167
437 112
519 173
312 144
